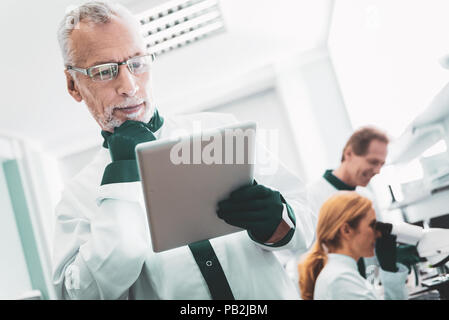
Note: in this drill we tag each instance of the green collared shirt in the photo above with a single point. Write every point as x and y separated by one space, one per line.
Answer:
336 182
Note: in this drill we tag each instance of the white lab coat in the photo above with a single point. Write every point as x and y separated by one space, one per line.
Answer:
320 190
341 280
102 245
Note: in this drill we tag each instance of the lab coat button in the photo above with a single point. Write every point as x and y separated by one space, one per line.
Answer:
208 263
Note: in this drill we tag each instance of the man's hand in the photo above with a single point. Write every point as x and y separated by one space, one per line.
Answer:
125 138
255 208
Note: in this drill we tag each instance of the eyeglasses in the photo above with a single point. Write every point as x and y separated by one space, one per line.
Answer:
109 71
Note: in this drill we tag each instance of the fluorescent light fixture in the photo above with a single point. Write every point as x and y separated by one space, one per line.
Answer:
177 29
165 7
179 22
186 38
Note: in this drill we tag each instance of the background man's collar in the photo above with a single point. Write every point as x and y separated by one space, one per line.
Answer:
336 182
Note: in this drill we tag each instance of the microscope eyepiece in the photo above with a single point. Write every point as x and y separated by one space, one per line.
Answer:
384 228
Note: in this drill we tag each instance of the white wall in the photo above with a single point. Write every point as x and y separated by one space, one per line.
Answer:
35 102
309 90
268 111
386 58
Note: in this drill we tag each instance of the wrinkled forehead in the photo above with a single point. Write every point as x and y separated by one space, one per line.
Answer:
114 41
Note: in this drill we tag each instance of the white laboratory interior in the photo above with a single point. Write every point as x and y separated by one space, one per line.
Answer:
313 71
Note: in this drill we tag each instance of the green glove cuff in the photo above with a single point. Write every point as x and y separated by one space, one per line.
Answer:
291 215
280 243
121 171
287 237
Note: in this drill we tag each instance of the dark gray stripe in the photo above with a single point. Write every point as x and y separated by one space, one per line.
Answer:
211 269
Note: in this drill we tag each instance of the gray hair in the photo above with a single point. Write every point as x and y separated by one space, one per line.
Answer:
94 12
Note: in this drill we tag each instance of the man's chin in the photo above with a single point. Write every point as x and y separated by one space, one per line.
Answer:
148 114
111 125
364 184
364 181
144 116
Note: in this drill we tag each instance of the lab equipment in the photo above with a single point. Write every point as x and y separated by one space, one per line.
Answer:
432 243
386 253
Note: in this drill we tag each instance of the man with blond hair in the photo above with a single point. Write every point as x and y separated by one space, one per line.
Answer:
102 246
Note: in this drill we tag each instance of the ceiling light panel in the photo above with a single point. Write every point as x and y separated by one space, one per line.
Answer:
177 23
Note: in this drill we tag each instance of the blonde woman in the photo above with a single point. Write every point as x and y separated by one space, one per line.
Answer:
345 233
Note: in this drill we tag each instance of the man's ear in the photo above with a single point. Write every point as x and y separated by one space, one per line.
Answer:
348 153
72 88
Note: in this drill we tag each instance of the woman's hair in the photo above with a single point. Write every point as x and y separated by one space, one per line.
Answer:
343 207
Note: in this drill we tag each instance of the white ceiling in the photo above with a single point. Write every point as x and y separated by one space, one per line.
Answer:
35 103
386 57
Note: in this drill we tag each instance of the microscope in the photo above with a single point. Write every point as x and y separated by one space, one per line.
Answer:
431 244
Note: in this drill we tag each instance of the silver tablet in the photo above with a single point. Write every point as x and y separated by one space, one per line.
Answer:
183 179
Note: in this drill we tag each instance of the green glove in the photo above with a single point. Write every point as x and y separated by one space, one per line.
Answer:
255 208
407 255
123 141
121 145
386 252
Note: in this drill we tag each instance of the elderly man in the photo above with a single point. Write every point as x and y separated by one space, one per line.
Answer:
102 246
